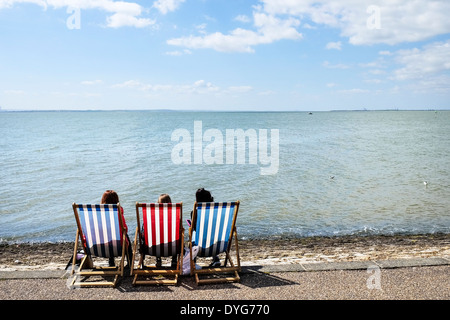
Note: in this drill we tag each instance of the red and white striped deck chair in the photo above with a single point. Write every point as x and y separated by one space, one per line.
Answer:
162 235
215 227
102 234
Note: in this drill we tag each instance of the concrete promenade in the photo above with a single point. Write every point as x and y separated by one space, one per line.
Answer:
402 279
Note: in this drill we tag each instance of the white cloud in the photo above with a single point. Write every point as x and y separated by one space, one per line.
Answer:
134 84
328 65
165 6
118 20
201 28
374 81
334 45
421 69
308 26
197 87
178 52
239 40
421 63
91 82
427 68
242 18
377 71
438 84
266 93
364 22
353 91
123 13
268 29
10 3
399 21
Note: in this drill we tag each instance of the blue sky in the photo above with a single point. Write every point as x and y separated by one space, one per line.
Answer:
224 55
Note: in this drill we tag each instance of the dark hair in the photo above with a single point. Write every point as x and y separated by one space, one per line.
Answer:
164 198
110 197
203 195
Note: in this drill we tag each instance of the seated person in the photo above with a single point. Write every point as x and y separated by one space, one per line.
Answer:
165 198
203 195
111 197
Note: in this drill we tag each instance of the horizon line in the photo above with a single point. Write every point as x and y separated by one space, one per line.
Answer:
218 111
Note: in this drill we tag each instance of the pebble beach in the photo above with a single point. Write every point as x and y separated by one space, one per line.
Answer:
279 251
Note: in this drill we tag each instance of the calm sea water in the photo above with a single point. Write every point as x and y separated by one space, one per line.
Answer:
339 173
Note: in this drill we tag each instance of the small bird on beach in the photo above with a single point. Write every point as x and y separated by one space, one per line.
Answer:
425 183
331 177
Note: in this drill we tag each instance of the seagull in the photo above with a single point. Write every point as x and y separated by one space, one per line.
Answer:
425 183
331 177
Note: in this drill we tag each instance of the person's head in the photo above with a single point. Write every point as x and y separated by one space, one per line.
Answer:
110 197
203 195
164 198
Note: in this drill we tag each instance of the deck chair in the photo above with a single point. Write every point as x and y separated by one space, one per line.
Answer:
162 235
215 227
102 234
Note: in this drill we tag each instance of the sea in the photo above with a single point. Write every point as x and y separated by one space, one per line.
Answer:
296 174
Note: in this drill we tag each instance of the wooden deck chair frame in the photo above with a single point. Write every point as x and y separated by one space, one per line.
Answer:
234 269
87 262
169 275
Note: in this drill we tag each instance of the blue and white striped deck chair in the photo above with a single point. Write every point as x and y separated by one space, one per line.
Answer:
102 234
215 227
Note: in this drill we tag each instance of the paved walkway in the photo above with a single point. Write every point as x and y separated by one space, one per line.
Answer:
421 278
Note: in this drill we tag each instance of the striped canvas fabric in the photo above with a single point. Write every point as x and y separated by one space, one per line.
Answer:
101 229
162 228
213 227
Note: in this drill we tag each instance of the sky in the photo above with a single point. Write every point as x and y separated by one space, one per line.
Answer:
255 55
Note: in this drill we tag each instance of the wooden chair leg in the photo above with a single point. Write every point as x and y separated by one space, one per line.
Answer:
74 258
